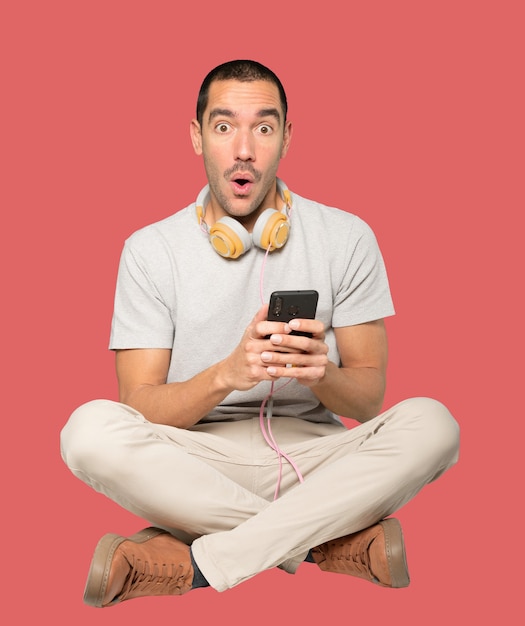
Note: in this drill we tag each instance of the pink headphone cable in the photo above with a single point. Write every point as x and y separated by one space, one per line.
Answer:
268 436
268 401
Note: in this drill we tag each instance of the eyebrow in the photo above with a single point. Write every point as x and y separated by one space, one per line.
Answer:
271 112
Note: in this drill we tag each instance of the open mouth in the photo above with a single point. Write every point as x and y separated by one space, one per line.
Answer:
241 186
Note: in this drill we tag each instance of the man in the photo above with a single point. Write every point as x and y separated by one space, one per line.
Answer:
227 436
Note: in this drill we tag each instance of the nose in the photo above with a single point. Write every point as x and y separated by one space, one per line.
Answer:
244 146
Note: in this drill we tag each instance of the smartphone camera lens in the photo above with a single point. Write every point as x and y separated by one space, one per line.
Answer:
278 307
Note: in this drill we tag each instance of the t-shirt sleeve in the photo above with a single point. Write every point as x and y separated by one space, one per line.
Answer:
141 317
364 293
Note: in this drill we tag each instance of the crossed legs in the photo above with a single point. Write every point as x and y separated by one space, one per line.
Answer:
212 486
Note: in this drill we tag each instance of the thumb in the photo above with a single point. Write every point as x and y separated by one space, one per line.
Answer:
261 314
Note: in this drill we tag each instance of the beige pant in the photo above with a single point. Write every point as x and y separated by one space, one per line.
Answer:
213 485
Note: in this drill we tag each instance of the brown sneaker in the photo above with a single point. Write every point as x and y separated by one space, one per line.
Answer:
150 563
376 554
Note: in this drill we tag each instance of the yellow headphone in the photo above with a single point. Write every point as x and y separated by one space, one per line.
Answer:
230 239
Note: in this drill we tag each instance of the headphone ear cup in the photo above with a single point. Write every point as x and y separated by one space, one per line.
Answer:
229 238
271 230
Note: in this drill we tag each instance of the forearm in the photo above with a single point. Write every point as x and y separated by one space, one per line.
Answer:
142 375
180 404
356 393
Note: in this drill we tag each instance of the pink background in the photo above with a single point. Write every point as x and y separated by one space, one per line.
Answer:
408 113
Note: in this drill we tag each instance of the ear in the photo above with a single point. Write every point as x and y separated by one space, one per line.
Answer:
287 138
196 136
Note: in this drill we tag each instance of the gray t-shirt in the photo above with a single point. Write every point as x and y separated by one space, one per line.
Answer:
174 291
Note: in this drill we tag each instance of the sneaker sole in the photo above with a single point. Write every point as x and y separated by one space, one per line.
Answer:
395 551
100 567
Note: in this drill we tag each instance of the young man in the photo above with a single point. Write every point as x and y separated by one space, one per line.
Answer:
227 436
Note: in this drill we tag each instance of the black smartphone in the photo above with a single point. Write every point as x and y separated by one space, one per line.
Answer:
285 305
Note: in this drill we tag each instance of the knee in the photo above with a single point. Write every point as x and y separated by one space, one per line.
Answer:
81 438
439 431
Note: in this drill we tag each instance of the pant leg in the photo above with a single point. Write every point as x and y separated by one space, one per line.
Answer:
157 472
368 473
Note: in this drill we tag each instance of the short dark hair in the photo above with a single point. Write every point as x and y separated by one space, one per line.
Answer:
242 70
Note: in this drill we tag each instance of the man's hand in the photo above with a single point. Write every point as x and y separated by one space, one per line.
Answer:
268 351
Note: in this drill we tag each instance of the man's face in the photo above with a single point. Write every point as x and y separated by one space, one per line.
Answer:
242 139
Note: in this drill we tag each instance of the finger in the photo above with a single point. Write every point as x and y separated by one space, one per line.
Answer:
298 344
273 358
268 329
305 375
261 314
252 329
314 327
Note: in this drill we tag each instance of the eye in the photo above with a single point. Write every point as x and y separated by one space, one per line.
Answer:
265 129
222 128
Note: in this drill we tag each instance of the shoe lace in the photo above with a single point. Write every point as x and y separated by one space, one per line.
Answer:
355 552
156 579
